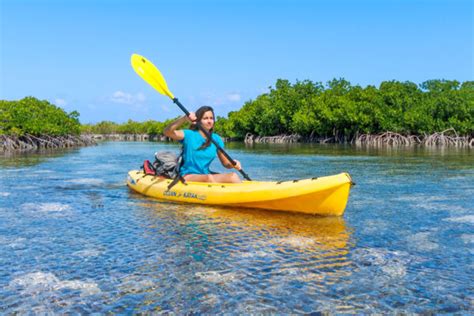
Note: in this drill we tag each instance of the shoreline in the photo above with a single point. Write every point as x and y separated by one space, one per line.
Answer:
29 143
448 138
127 137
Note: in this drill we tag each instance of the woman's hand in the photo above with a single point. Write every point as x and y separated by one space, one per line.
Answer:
237 165
226 163
192 117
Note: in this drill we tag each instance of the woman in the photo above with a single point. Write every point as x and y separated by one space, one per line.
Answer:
199 151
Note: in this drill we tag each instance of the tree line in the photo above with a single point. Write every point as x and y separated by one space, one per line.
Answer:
339 109
31 124
309 109
149 127
30 116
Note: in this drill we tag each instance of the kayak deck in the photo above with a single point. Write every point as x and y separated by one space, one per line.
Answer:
322 196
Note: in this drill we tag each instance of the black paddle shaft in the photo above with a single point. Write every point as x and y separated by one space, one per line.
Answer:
219 148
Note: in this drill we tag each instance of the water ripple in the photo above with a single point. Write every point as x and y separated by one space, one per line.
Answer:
75 240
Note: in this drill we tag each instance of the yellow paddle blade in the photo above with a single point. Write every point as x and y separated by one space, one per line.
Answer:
148 72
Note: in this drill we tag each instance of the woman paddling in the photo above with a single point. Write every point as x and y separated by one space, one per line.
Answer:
199 151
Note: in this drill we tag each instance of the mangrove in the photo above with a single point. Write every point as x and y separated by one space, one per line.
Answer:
31 124
433 113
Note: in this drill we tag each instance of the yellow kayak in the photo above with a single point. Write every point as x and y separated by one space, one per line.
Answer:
320 196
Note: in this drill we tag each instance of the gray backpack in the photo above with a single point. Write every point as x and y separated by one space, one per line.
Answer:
167 164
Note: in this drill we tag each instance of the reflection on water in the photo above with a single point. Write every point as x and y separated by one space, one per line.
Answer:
347 149
326 232
29 159
74 239
248 253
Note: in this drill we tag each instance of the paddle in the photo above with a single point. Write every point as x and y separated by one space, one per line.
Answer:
148 72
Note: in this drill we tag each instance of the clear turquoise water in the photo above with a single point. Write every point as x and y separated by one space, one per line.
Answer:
74 239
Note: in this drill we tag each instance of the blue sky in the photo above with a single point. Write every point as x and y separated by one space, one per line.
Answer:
76 54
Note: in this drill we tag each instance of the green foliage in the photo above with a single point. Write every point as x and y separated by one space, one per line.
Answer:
307 108
104 127
35 117
342 110
149 127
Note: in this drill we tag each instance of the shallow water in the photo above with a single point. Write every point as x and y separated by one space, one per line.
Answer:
74 239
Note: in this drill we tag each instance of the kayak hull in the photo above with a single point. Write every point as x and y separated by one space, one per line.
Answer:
325 196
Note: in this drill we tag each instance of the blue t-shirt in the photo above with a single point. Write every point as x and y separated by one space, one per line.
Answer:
197 161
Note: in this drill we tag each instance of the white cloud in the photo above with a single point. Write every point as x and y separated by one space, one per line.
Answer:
234 97
166 108
212 99
127 98
60 102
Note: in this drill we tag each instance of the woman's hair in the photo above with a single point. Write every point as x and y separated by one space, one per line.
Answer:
199 114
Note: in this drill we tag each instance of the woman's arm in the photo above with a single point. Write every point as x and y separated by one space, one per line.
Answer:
226 163
172 131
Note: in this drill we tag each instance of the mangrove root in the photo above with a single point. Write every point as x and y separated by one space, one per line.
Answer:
29 142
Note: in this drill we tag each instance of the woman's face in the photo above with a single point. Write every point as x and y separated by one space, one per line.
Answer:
207 120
